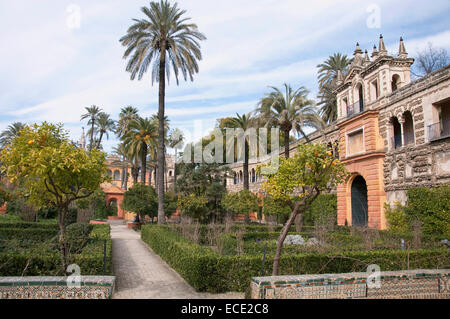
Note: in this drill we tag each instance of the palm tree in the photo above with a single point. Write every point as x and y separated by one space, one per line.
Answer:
92 114
176 140
10 133
291 110
104 125
127 114
162 40
244 122
141 135
328 73
328 70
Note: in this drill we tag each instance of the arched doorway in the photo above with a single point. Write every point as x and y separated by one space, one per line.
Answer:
360 209
112 207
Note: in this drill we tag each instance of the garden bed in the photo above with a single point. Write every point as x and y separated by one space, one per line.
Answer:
209 271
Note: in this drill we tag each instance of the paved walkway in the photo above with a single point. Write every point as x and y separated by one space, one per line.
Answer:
142 274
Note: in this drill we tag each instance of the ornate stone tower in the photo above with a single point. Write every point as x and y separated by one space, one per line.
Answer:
360 94
82 141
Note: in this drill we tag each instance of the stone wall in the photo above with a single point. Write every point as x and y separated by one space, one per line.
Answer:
91 287
412 284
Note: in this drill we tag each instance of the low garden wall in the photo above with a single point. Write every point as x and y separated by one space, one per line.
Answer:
413 284
90 287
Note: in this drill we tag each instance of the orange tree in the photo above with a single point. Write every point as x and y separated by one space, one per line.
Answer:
52 170
299 180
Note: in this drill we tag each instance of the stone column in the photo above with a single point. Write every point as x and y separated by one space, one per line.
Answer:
402 129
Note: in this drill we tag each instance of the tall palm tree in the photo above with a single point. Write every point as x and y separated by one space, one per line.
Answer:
122 152
328 70
104 125
327 75
176 140
244 122
141 135
162 40
10 133
92 114
127 114
290 110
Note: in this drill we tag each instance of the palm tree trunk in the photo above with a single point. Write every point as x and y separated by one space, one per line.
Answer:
246 178
161 155
286 143
92 135
175 173
100 140
144 163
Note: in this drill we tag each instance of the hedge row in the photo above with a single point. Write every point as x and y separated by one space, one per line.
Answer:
47 262
209 271
33 234
28 225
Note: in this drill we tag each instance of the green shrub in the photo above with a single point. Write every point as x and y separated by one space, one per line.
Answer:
33 234
209 271
243 202
432 207
396 217
322 211
77 236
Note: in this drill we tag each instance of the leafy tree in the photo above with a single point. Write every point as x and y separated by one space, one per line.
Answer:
299 181
243 202
141 200
322 211
171 203
290 110
92 114
53 170
277 208
10 133
176 139
205 182
164 41
96 203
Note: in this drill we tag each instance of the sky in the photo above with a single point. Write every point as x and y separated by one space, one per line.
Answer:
58 57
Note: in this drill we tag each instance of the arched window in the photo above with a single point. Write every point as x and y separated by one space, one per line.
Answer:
110 174
170 173
253 175
241 177
117 175
235 178
396 133
408 128
395 82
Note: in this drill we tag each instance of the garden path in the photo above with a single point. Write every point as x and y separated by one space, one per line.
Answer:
142 274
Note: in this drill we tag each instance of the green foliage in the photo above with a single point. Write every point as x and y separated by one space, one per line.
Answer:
71 217
142 200
202 183
33 233
4 196
170 203
97 203
322 211
77 236
312 169
194 206
243 202
396 217
432 207
277 208
42 259
208 271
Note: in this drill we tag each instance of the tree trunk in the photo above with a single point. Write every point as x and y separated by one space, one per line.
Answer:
144 163
280 241
100 140
246 154
62 213
286 143
161 149
91 145
125 178
175 173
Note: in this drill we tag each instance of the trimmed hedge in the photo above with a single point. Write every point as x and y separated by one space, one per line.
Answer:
44 261
33 234
208 271
28 225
